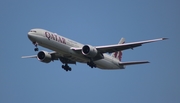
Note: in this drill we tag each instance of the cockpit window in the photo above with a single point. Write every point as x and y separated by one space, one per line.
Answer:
33 31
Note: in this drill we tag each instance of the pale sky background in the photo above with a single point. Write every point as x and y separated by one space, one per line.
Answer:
95 22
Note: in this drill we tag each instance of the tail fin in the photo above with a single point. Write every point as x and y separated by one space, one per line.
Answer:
118 54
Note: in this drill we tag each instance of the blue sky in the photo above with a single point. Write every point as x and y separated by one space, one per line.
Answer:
96 22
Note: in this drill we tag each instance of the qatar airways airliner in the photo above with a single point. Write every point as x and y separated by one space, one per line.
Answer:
70 52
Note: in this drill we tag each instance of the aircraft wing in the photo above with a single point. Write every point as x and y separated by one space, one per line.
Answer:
53 53
32 56
120 47
55 56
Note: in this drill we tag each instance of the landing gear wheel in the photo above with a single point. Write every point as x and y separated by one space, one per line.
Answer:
36 44
70 69
36 49
66 70
91 64
66 67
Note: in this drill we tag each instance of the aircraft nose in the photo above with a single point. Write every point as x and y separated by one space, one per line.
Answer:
31 35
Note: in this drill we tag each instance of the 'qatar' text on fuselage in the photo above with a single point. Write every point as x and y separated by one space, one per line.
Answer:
55 37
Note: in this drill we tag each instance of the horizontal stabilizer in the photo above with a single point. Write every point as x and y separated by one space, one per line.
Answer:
133 62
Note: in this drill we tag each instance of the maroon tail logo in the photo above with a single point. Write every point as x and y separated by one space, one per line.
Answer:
118 55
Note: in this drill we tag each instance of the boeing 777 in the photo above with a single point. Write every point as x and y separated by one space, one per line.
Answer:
70 52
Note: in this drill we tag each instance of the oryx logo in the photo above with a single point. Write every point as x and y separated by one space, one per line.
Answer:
118 55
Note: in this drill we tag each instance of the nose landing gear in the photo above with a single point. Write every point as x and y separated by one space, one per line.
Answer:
36 44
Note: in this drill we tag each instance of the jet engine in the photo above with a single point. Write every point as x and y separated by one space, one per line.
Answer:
44 56
89 51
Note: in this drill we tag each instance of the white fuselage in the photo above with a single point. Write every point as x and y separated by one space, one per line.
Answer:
63 46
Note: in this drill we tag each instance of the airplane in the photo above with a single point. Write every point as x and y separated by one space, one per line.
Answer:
70 52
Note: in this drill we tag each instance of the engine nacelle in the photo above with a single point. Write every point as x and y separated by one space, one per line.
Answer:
44 56
89 51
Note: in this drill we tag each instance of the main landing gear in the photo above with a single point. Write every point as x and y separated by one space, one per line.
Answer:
36 44
91 64
66 67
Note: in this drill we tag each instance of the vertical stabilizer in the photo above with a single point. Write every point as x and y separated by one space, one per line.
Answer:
118 54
